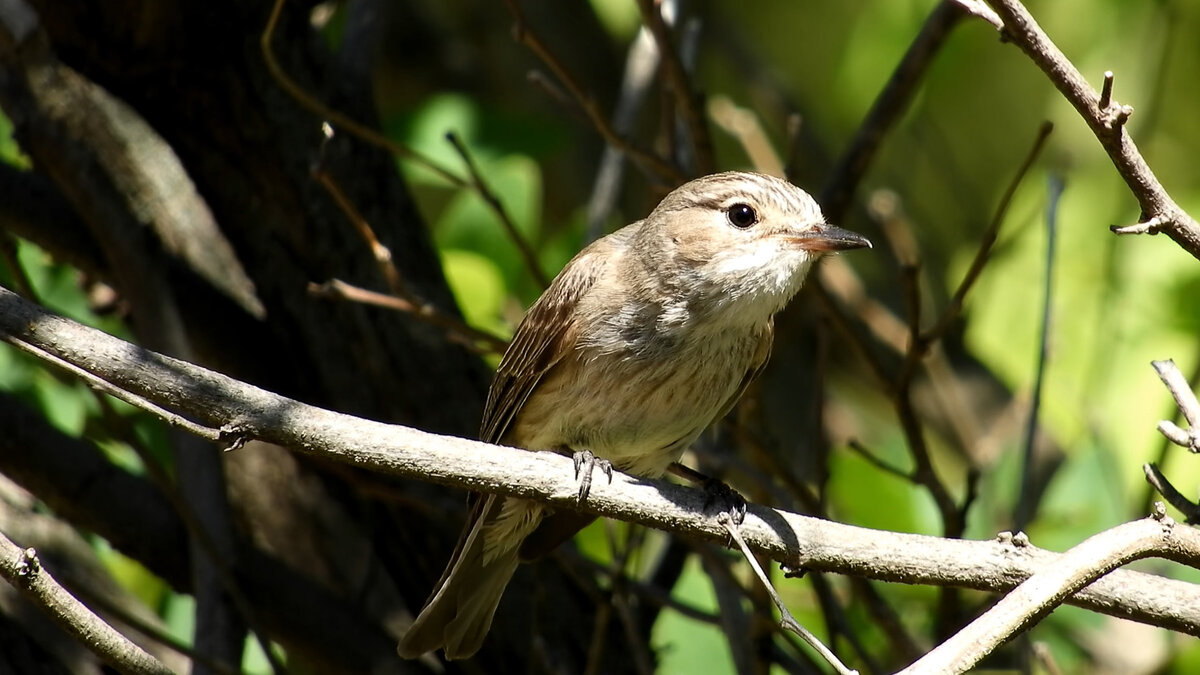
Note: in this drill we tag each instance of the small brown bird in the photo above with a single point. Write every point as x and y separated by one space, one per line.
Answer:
645 338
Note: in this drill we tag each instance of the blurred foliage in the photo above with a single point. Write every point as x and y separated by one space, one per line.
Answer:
1118 302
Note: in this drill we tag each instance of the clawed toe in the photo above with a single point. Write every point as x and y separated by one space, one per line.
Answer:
585 464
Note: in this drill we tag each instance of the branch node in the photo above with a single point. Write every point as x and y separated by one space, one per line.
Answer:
1158 511
29 566
234 436
1017 539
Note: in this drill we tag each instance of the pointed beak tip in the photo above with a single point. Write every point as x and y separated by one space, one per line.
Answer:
830 239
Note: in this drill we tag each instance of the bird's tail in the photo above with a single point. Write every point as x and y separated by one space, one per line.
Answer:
459 613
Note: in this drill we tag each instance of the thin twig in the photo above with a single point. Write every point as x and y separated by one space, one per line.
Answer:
1180 390
455 328
641 64
338 119
689 103
8 252
785 617
976 8
1107 124
744 126
490 198
1026 499
650 162
1162 486
381 253
878 463
207 433
888 107
23 570
954 307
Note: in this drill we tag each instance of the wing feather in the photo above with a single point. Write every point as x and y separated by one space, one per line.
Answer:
547 333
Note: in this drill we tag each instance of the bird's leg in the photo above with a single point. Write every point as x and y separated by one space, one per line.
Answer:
585 464
718 496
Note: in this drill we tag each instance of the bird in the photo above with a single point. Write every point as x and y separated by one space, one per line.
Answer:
645 338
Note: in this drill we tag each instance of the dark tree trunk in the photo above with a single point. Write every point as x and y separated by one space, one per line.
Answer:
306 543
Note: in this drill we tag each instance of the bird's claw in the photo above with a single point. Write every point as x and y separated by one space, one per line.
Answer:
719 497
585 464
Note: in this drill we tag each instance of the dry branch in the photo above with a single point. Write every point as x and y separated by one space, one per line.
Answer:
23 570
1160 213
243 411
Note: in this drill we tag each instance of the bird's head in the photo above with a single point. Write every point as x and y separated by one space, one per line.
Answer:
739 239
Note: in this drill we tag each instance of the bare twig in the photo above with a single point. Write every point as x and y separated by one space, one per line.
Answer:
1181 391
650 162
490 198
1107 124
689 103
1163 487
744 126
456 329
978 9
23 570
1042 592
336 118
100 385
641 64
954 307
862 451
785 617
888 107
1027 498
381 253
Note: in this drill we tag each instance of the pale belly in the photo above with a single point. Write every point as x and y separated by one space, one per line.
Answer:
640 414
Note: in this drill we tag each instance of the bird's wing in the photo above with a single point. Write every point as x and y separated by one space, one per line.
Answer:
547 333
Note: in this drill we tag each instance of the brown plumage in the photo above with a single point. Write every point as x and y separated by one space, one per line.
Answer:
645 338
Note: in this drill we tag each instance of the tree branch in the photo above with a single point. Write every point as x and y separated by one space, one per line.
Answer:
23 570
1042 592
239 409
1160 213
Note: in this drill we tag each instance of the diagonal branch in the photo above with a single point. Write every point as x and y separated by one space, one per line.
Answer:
23 570
1157 535
239 409
1160 213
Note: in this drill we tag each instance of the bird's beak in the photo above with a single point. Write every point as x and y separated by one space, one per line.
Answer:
829 238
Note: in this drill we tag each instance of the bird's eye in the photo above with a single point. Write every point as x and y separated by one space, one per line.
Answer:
742 216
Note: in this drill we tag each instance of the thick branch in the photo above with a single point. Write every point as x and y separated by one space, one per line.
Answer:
241 411
1160 213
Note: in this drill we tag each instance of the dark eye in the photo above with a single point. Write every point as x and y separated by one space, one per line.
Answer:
742 216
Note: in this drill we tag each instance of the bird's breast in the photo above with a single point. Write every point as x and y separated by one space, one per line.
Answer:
642 404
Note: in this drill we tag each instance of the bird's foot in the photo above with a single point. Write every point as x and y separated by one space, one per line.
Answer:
585 464
720 498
